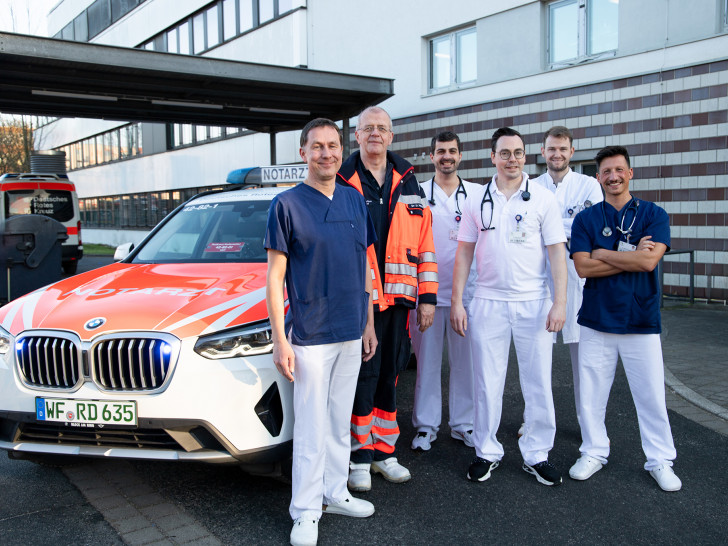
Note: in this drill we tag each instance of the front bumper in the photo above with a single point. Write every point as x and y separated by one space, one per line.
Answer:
237 410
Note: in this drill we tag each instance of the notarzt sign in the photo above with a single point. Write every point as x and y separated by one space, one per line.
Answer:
284 173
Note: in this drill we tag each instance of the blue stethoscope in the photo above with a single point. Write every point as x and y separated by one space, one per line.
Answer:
488 198
461 189
607 231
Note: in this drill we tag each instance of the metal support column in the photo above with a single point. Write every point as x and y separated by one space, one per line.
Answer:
345 130
273 158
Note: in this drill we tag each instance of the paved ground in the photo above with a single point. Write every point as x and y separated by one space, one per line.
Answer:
695 348
138 502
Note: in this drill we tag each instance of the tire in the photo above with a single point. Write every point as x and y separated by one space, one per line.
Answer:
70 268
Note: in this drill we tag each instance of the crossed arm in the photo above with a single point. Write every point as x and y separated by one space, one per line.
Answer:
601 262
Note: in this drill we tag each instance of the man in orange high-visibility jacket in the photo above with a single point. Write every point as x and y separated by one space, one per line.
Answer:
404 273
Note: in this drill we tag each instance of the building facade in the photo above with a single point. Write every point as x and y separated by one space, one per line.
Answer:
651 75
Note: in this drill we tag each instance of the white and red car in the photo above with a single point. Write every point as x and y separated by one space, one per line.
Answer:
165 355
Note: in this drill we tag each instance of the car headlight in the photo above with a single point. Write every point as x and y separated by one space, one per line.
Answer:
251 340
6 341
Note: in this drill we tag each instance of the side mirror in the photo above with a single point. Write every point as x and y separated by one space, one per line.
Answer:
122 251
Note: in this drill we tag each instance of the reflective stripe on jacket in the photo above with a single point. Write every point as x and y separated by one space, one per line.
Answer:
410 268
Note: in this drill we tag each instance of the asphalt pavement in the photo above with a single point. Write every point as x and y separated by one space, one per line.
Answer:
141 502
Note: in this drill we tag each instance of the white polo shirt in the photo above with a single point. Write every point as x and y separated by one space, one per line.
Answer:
445 226
511 257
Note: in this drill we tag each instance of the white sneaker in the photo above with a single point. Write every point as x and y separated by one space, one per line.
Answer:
359 477
350 506
391 470
666 478
465 437
423 440
305 530
585 468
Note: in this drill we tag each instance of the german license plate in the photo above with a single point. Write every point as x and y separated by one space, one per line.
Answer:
86 412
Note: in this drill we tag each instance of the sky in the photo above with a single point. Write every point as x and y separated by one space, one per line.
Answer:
25 16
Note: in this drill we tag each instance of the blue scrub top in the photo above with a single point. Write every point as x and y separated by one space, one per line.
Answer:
628 302
325 241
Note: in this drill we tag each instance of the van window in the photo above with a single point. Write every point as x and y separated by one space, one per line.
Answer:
58 204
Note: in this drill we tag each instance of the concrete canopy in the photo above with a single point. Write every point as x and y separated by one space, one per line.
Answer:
51 77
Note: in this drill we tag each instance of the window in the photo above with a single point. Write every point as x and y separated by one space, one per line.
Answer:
266 11
229 19
453 59
246 15
582 29
99 17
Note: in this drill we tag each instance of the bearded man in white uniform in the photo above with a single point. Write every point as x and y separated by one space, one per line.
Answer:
574 192
447 194
509 227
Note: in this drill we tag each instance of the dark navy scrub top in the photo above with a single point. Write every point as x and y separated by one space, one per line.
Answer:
325 241
628 302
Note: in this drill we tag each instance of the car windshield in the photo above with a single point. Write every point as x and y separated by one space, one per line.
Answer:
209 231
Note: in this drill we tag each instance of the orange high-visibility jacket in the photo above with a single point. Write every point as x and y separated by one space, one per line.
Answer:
410 269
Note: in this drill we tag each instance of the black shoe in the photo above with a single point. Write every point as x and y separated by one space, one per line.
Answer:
480 468
545 472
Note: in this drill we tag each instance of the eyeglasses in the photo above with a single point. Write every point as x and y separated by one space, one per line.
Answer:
370 129
505 155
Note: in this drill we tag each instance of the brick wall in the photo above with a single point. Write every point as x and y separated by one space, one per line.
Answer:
674 124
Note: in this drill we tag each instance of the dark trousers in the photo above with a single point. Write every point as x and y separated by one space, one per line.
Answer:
374 428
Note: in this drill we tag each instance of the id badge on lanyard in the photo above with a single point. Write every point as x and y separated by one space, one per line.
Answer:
625 247
518 235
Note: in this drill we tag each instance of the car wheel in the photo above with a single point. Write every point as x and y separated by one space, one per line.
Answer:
70 268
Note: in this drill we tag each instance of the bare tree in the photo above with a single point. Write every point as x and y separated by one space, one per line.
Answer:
17 139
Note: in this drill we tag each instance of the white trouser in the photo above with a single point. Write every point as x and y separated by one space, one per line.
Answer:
491 324
428 346
642 360
323 396
574 353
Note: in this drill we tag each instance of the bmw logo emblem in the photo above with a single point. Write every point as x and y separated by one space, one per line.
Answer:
94 323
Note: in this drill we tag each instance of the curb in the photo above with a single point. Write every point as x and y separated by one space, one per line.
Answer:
693 397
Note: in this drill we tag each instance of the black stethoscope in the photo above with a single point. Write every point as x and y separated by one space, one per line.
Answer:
607 231
488 198
461 189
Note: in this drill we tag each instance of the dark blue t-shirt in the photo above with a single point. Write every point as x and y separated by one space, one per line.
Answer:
628 302
325 241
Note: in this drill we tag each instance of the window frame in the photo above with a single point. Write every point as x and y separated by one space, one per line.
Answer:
455 81
583 34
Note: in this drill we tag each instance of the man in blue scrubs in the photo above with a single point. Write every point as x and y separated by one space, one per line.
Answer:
318 234
616 245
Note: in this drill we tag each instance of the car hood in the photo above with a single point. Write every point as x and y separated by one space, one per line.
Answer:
182 299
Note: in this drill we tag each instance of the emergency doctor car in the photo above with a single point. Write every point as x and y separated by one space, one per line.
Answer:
165 355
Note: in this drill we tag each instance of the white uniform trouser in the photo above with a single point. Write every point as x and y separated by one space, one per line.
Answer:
323 396
574 353
491 324
642 360
428 347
